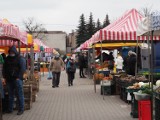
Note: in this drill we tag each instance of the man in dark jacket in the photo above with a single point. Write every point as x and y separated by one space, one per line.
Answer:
81 65
14 68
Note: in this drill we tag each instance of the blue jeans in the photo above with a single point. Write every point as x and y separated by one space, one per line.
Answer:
16 86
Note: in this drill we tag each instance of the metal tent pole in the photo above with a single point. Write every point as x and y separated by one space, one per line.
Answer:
94 67
152 72
101 65
136 67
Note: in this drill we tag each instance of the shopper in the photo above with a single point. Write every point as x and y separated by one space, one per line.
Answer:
131 63
71 69
56 66
111 61
81 65
85 63
119 63
13 70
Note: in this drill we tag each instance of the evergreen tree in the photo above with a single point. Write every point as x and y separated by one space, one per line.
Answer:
106 21
98 25
90 27
81 31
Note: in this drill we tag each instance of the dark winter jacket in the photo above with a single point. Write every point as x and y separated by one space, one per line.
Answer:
81 61
14 66
131 64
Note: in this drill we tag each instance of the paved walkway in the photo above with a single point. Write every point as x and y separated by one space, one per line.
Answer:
78 102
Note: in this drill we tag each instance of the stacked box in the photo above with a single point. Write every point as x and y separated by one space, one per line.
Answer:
34 94
157 109
106 90
28 96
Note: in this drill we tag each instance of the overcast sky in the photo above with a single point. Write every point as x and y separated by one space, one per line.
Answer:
63 15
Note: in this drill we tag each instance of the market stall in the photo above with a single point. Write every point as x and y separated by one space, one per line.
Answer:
122 30
150 26
9 35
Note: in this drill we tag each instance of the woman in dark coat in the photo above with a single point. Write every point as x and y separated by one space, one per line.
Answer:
131 63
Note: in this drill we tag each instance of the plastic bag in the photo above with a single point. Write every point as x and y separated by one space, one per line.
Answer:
50 76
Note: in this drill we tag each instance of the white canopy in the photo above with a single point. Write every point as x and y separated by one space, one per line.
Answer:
148 24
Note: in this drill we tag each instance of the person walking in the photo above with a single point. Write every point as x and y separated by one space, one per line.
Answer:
13 70
56 65
71 69
81 65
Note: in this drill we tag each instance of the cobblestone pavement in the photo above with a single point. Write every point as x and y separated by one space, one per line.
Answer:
78 102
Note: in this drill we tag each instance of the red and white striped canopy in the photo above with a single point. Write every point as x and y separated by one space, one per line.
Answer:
9 34
46 48
10 42
122 29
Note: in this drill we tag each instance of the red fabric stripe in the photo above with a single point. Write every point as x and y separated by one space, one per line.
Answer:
113 35
100 37
118 36
130 34
105 35
109 35
122 36
134 35
126 38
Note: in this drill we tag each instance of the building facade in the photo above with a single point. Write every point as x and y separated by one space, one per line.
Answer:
56 40
71 42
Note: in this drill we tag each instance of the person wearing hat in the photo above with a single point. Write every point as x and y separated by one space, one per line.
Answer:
56 65
131 63
13 70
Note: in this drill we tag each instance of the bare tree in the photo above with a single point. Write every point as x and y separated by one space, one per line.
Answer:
37 30
146 11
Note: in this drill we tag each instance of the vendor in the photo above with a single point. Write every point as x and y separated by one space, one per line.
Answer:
131 63
119 63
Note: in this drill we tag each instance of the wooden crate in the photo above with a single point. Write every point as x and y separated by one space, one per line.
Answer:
34 95
27 96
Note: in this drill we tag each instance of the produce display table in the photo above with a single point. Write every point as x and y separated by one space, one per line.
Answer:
127 80
107 87
98 76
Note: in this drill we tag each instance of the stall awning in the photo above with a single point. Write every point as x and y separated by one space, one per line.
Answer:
123 29
110 45
10 34
46 48
149 23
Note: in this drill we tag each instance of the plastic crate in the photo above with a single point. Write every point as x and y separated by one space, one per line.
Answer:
123 94
106 83
157 109
106 89
134 106
106 73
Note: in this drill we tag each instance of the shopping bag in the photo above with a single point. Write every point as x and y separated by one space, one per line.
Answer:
49 76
